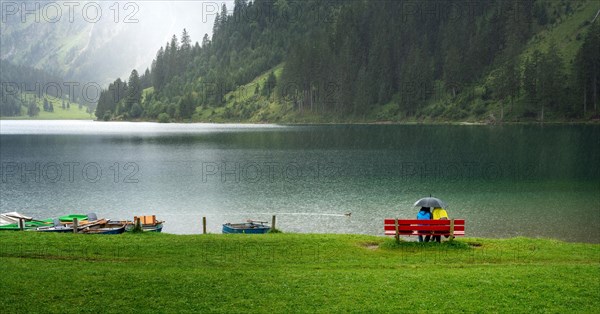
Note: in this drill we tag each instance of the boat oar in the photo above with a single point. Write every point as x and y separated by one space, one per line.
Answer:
93 223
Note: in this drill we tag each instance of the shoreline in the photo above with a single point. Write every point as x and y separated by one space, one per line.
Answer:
403 239
461 123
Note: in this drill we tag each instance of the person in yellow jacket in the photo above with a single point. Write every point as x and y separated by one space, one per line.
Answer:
439 213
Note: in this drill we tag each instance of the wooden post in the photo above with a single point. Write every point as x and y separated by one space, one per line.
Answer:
397 230
75 225
451 229
273 221
138 224
21 224
203 225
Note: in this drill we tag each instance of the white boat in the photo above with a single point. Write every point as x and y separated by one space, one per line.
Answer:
12 218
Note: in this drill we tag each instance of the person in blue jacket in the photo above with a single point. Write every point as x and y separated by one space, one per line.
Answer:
424 214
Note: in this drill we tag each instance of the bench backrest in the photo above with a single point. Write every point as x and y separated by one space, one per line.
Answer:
410 225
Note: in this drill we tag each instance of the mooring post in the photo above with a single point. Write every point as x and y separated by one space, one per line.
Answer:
138 224
21 224
203 225
75 225
273 221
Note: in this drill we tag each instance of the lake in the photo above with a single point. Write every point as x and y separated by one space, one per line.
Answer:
506 181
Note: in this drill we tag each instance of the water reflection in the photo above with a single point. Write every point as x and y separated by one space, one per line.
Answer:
506 181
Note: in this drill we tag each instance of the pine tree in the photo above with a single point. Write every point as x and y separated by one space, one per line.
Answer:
146 79
270 84
134 91
552 78
172 56
452 70
587 68
216 26
517 28
185 41
224 14
531 77
187 106
205 41
32 109
185 51
158 70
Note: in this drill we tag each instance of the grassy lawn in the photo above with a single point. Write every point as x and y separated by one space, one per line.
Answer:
565 33
293 273
73 113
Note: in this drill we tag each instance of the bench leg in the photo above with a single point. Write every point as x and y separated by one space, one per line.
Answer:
451 230
397 231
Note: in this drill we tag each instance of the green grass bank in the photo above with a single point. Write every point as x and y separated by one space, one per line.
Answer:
293 273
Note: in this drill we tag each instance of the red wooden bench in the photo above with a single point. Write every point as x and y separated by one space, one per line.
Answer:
416 227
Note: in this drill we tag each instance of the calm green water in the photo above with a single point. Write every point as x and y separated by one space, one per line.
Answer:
504 180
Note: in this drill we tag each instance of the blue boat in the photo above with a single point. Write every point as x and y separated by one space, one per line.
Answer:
251 227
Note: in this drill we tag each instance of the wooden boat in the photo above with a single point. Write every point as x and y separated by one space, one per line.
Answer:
156 227
102 226
65 223
148 224
251 226
56 227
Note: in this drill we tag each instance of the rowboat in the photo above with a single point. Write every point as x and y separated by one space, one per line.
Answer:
104 228
100 226
56 227
130 226
156 227
10 222
88 224
28 225
65 223
80 217
251 226
147 223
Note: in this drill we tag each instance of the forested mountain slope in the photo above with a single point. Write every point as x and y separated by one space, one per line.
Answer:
317 61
